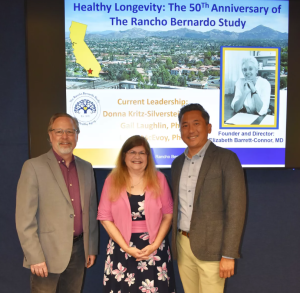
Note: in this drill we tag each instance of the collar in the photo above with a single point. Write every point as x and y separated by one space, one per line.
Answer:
201 153
60 159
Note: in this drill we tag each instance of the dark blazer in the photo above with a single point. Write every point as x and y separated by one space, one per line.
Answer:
219 205
44 212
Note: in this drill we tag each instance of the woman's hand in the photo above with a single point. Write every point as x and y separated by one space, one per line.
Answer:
251 86
146 251
133 251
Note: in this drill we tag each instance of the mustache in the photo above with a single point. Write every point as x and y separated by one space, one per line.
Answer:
64 142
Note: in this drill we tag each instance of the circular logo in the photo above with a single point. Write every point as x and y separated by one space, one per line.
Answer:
86 108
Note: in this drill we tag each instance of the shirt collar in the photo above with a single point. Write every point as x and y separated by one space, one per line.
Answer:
201 153
60 159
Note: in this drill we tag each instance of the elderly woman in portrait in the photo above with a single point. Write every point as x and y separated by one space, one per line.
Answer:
136 209
252 93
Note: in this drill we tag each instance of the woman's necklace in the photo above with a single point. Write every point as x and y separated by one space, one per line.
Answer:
132 186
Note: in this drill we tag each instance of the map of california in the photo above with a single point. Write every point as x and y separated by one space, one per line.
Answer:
83 54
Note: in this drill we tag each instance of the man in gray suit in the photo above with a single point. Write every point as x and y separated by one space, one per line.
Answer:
209 206
56 212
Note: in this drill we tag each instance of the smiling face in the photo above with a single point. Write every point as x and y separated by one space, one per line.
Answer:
194 131
63 145
136 159
249 70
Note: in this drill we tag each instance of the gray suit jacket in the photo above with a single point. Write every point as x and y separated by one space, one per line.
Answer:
44 212
219 205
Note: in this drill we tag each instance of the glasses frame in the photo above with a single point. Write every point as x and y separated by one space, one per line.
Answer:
64 131
134 153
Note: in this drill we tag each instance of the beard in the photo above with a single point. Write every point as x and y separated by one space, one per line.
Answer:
65 149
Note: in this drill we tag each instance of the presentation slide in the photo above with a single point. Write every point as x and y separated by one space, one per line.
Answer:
131 66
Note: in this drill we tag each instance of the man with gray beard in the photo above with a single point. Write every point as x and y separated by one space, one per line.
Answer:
56 212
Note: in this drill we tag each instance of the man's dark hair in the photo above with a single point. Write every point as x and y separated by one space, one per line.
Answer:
193 107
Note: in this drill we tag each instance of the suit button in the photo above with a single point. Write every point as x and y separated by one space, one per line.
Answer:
71 216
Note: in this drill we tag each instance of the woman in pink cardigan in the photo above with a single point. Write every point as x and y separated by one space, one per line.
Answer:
136 210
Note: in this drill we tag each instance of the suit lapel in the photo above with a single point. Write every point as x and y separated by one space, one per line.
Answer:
207 160
58 175
80 173
176 178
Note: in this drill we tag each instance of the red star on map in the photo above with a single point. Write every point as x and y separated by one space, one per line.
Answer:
90 71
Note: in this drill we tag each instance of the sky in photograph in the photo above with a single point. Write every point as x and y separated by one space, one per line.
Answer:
100 20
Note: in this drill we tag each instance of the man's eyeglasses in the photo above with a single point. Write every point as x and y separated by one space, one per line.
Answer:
60 132
133 153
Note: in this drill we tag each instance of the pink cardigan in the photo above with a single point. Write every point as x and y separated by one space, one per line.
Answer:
119 211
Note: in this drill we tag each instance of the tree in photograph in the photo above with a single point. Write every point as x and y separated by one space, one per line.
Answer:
283 82
186 59
85 105
169 63
207 62
154 79
200 75
174 80
214 73
284 60
125 76
111 57
140 78
154 85
166 76
84 73
182 81
207 55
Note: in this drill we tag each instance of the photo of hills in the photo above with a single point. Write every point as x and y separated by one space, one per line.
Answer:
180 58
257 33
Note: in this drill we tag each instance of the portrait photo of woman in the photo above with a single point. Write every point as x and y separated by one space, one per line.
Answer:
252 92
249 86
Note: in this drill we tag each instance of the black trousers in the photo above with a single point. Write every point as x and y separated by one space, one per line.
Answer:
69 281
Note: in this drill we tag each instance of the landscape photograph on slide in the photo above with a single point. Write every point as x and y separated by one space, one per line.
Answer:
164 51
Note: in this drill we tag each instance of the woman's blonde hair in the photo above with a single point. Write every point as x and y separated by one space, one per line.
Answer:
250 59
120 178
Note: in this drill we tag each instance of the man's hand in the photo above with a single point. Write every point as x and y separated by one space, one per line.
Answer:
39 269
226 268
90 260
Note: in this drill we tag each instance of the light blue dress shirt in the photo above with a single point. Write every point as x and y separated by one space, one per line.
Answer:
187 185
